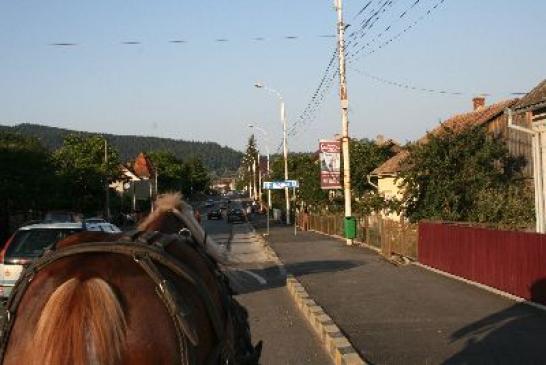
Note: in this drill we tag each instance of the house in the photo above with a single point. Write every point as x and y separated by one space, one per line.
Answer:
528 116
223 184
127 176
139 179
492 117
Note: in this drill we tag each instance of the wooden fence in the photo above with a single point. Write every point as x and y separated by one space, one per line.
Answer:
389 236
514 262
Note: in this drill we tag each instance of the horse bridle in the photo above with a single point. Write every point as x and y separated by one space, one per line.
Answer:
147 249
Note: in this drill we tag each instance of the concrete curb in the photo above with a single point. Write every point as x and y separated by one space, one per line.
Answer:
336 344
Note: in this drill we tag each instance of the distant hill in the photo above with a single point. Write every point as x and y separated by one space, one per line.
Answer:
217 158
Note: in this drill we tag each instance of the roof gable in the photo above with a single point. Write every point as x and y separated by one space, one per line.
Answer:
533 97
457 123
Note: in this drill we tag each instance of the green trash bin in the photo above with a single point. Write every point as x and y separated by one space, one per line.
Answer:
349 225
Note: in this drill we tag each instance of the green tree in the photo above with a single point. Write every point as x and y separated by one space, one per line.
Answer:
455 174
83 171
197 176
171 172
305 168
250 158
27 177
366 155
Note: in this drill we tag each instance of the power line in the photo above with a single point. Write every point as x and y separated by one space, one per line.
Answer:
395 37
290 37
312 107
442 91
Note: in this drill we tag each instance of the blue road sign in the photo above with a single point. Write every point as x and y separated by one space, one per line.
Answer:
279 185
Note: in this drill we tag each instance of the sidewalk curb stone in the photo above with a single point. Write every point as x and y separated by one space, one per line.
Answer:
337 345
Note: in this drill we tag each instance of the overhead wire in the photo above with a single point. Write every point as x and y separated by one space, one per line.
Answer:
366 25
408 86
355 56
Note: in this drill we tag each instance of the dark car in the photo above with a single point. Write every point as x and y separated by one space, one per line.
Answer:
214 214
236 215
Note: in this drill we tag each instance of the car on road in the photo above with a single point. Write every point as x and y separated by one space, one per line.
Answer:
214 213
61 216
209 203
236 215
31 241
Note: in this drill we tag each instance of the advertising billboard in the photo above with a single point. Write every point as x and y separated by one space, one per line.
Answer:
330 164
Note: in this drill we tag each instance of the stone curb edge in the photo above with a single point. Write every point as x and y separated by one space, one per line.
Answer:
336 344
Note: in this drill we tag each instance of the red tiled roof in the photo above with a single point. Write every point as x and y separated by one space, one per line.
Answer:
143 166
457 123
393 165
533 97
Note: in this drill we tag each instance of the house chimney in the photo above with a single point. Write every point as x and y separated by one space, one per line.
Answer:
479 102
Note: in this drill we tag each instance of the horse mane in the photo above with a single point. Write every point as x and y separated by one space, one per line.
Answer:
163 204
81 323
173 203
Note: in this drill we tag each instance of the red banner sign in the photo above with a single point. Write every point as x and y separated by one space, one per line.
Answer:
330 164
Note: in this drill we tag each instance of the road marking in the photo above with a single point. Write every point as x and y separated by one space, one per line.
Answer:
258 278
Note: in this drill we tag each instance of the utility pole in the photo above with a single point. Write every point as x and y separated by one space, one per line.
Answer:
344 113
259 181
255 195
106 187
285 152
285 145
249 182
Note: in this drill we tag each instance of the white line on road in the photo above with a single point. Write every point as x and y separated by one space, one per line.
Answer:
259 278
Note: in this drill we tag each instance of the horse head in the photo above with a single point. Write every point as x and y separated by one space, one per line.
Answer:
172 215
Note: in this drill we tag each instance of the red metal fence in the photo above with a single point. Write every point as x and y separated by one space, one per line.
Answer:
514 262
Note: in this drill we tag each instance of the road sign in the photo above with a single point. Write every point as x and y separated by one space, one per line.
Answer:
279 185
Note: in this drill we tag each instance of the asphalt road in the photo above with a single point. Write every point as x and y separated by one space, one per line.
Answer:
274 319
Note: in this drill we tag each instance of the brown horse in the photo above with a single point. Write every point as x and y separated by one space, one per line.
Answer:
159 299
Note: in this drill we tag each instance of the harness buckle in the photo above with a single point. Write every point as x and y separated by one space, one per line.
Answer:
184 232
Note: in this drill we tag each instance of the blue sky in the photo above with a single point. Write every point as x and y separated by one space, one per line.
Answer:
202 89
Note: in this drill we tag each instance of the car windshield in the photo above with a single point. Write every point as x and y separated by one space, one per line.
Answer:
31 243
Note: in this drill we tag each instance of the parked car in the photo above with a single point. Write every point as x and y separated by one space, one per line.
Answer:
209 203
95 220
61 216
31 241
215 213
236 215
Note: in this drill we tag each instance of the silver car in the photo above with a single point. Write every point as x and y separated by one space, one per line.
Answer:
30 242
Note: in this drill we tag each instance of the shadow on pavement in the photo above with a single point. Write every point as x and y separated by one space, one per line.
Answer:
314 267
244 283
516 335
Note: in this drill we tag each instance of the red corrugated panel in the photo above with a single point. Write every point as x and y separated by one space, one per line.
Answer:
514 262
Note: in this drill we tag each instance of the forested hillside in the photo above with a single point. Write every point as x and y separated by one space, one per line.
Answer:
215 157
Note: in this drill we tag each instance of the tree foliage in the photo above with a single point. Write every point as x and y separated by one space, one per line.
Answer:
249 162
461 176
218 159
366 155
174 174
27 178
170 171
305 168
83 171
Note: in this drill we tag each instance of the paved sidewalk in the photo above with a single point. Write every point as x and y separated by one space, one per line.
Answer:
406 314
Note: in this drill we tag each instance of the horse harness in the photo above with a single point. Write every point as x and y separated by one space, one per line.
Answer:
148 250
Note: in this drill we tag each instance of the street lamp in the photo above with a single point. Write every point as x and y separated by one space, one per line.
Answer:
251 125
260 85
